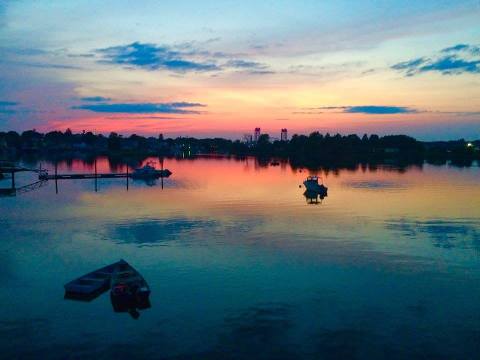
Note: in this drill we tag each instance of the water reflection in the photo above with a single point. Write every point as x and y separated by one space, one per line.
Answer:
259 332
378 184
313 197
22 331
7 192
14 191
443 233
242 268
132 306
158 231
150 182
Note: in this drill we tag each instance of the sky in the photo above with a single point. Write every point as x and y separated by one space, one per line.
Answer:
222 68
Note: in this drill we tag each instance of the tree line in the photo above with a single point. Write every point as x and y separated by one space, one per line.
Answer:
315 147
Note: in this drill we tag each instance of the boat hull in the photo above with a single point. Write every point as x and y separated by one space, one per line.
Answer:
128 288
91 284
315 187
151 174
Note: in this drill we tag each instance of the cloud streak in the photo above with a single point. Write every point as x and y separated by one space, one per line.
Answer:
454 60
245 64
180 58
465 48
374 109
152 57
142 108
365 109
6 107
95 99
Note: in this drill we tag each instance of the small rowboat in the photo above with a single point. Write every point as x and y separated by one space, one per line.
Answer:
89 286
128 288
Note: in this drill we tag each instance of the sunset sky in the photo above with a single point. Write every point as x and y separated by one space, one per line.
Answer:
222 68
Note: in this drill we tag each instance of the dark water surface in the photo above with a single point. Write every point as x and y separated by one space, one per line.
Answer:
242 267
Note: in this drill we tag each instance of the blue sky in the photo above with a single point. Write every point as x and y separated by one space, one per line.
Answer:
387 66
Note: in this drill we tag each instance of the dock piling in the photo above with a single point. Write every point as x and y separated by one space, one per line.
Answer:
96 188
127 176
56 180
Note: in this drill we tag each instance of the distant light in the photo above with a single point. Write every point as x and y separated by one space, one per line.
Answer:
469 144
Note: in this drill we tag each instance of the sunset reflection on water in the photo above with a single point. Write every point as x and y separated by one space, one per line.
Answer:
237 259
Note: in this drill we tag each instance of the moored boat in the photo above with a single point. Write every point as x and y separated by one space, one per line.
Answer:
311 184
92 284
128 288
148 171
43 175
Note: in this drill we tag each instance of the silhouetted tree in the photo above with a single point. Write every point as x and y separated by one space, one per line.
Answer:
263 146
114 141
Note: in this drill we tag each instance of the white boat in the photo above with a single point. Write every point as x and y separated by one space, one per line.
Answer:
311 184
148 171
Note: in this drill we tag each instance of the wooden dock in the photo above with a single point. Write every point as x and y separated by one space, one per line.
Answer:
43 176
46 176
9 168
22 189
83 176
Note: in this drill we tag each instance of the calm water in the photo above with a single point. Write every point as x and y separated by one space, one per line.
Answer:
241 266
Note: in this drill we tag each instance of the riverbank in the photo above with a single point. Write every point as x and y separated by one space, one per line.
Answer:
315 148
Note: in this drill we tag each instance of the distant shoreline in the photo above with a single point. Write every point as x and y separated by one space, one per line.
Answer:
314 149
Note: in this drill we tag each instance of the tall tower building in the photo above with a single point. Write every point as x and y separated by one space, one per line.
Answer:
256 136
284 135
